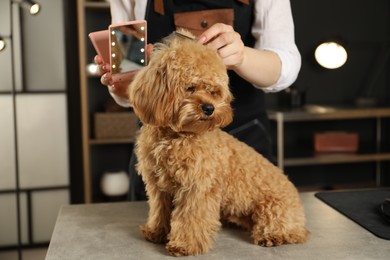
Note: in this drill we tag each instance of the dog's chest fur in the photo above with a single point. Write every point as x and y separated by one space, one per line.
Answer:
177 160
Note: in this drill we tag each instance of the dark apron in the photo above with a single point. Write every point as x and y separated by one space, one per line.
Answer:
250 123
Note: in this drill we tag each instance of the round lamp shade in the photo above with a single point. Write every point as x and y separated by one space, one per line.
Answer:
115 183
331 55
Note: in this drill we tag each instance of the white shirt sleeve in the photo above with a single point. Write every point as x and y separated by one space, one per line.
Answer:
273 29
127 10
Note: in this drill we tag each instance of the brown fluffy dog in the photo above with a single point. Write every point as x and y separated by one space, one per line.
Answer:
196 175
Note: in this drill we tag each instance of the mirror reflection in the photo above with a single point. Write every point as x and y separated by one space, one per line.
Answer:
128 43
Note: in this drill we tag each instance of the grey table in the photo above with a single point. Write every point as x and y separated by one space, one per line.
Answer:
110 231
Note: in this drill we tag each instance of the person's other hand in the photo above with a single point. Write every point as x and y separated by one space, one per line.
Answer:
117 88
102 67
103 70
226 42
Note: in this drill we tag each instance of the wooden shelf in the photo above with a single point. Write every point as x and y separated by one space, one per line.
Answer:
318 112
293 153
111 141
97 4
336 159
343 186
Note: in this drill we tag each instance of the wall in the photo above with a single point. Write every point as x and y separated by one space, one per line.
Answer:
364 27
34 163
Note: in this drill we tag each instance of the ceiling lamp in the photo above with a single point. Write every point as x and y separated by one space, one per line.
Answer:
31 6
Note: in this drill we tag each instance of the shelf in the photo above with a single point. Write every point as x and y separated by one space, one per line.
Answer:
111 141
297 150
93 16
317 112
337 186
336 159
97 4
30 189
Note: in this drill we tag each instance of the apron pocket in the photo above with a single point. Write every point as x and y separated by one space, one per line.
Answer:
199 21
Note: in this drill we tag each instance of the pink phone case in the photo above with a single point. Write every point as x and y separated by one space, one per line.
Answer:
101 43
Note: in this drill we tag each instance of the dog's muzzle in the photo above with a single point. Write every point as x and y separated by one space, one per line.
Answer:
207 109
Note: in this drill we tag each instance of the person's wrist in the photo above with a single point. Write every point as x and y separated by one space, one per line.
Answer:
240 65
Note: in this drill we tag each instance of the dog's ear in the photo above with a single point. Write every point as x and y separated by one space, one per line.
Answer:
150 97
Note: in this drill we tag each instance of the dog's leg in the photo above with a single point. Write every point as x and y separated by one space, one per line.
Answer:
277 222
194 222
158 225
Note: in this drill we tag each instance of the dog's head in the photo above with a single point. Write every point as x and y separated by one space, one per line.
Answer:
184 87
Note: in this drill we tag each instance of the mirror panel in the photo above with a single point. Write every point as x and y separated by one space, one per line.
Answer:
127 47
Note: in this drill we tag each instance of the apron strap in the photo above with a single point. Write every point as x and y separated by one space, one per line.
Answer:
244 1
159 5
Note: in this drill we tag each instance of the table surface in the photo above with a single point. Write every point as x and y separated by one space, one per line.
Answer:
111 231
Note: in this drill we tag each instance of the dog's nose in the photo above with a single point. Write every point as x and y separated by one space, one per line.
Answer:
208 109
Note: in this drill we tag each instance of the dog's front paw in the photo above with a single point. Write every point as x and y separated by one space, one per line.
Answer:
178 250
157 236
269 241
296 236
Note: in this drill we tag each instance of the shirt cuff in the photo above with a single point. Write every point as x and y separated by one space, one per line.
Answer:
124 102
291 65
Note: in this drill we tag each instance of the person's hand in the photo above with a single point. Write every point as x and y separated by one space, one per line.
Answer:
102 67
226 42
117 88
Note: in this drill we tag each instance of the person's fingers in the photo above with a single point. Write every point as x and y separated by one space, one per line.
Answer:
98 60
149 50
226 42
102 69
222 40
106 79
231 47
213 32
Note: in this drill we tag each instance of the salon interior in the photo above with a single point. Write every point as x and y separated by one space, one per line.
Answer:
65 143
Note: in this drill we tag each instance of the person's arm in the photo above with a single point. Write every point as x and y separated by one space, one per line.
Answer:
274 62
260 67
121 11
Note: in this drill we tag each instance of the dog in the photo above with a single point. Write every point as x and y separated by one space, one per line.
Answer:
196 175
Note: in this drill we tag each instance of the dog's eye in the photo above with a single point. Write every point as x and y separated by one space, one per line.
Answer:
190 89
214 92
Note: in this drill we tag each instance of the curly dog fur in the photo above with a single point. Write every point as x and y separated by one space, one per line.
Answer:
197 175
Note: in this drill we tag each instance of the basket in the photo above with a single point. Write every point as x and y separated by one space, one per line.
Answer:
340 142
115 125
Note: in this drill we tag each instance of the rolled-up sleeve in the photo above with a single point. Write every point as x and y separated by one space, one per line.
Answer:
127 10
273 30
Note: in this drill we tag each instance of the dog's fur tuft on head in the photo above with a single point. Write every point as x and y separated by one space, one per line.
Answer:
173 91
196 175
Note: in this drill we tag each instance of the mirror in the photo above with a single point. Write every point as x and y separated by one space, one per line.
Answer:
127 48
